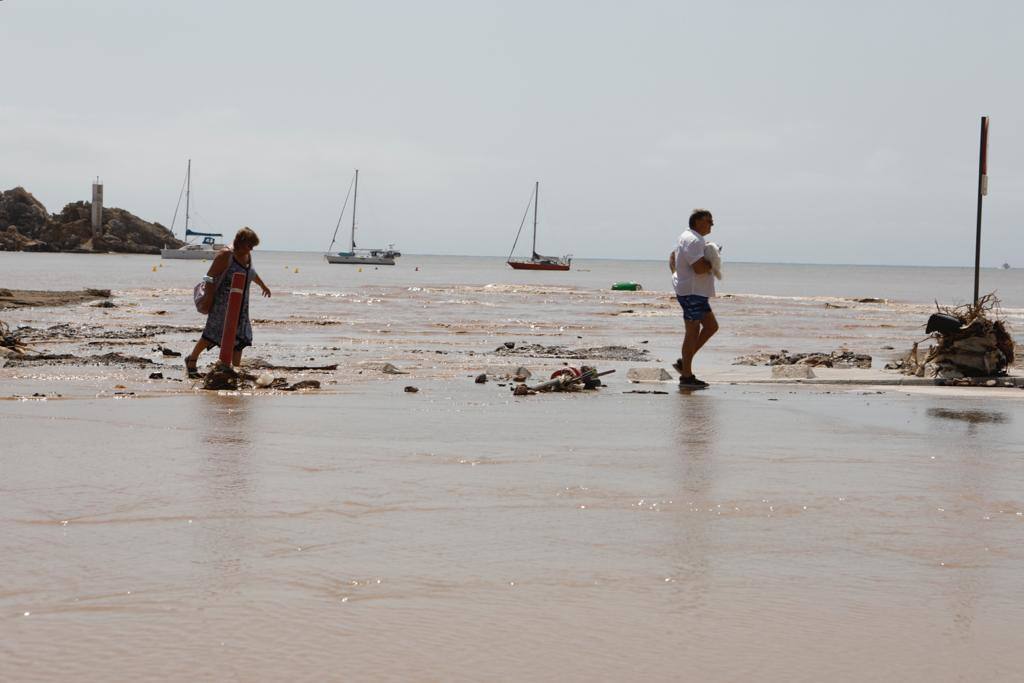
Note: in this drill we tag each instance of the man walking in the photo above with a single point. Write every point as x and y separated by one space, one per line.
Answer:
694 284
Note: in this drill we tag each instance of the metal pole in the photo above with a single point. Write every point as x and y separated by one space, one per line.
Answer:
188 191
536 200
355 198
982 191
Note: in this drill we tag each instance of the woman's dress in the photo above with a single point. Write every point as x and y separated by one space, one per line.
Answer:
214 329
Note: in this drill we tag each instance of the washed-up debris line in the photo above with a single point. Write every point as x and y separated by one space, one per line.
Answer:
262 364
71 331
981 347
840 359
620 353
19 298
112 358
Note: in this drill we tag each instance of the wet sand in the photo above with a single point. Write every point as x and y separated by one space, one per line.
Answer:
150 530
21 298
460 534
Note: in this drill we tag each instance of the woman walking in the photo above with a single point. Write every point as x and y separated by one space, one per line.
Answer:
236 259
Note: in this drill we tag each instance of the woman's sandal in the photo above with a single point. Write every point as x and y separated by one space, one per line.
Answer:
191 368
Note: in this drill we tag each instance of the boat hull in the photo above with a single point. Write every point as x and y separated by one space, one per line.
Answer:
532 265
360 260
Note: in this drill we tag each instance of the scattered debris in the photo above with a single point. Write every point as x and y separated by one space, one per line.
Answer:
481 378
981 346
169 353
832 305
261 364
620 353
9 344
645 391
566 379
648 375
506 372
792 372
840 359
221 376
386 368
265 380
411 390
156 375
304 384
977 382
104 304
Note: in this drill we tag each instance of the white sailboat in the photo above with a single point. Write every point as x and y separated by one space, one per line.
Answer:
205 250
367 257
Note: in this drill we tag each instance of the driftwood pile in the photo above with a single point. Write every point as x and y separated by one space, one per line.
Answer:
981 347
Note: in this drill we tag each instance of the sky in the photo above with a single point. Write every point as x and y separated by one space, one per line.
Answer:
817 132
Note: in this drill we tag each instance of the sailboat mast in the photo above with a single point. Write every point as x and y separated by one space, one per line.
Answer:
188 191
355 197
536 200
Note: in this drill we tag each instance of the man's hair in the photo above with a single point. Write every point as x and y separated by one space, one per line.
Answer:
698 214
247 237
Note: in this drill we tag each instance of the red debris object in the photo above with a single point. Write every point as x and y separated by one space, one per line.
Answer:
227 340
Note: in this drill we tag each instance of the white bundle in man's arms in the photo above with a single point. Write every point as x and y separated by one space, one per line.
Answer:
713 255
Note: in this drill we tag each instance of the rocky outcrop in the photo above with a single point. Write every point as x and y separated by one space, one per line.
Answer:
25 225
22 217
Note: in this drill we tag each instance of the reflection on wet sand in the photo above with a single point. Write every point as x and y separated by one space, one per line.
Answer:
224 440
969 583
696 448
969 416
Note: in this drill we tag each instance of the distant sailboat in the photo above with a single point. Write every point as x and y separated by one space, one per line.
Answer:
369 257
536 261
208 248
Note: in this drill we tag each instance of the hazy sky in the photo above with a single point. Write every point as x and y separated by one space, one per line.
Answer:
831 132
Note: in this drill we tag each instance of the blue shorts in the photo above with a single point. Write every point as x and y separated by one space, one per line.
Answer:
695 306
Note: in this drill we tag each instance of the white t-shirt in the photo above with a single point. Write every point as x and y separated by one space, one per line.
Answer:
689 250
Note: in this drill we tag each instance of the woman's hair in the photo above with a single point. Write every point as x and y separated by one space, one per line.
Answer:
697 215
247 237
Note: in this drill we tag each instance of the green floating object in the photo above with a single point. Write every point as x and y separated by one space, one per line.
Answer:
627 286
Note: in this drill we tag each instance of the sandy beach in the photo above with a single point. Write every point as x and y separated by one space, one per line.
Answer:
848 528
